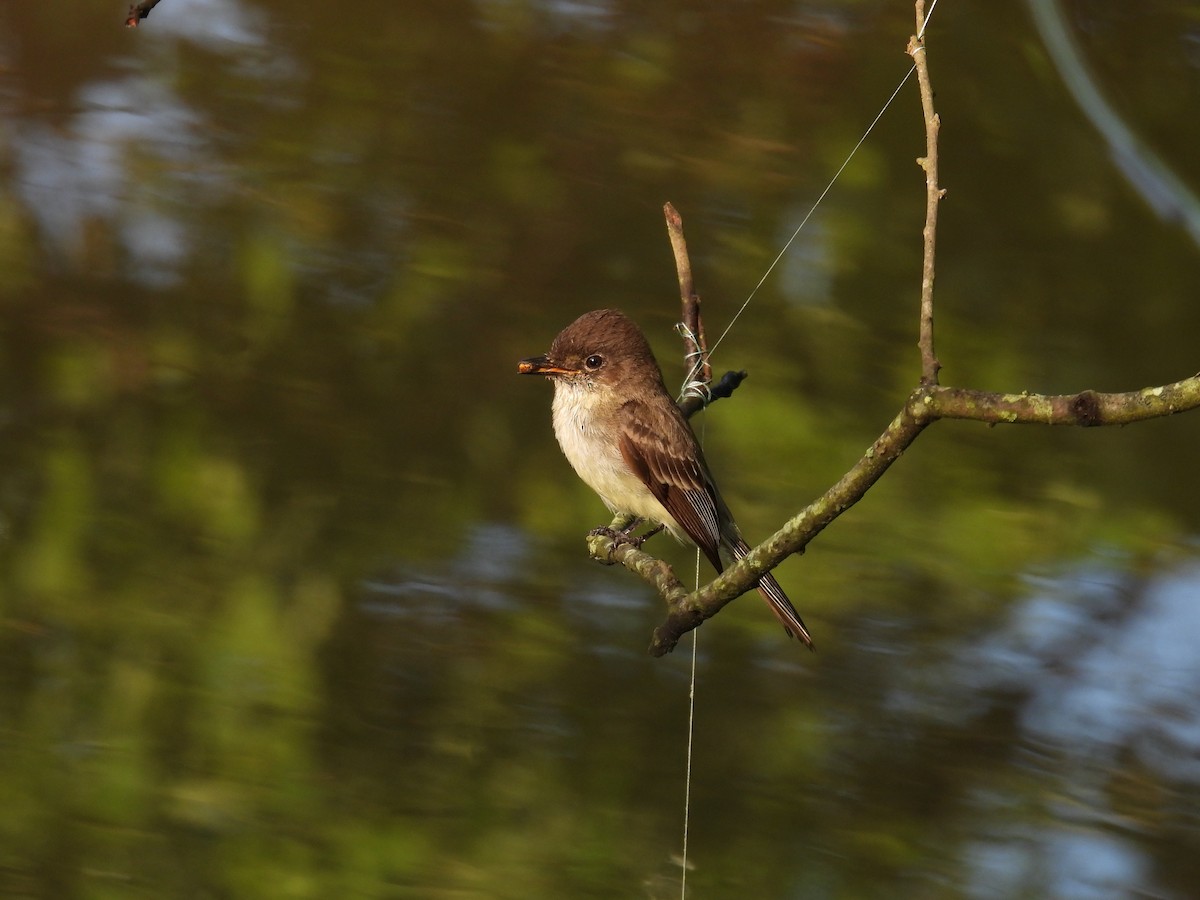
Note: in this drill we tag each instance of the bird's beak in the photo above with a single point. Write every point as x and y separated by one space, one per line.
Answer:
541 365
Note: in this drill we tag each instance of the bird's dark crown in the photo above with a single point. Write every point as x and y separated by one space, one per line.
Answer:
607 333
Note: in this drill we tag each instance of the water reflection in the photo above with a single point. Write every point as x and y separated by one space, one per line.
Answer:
1058 863
1110 668
79 175
491 555
1097 674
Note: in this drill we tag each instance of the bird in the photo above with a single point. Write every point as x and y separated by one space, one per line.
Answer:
626 438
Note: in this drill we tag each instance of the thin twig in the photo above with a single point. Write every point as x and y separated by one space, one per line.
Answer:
694 341
138 11
699 390
695 346
933 194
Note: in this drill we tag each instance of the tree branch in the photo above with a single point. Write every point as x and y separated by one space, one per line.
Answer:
1086 409
923 407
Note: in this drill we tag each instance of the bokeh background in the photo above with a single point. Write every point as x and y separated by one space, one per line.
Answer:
294 600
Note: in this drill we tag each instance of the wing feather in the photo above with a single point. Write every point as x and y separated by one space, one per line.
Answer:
676 479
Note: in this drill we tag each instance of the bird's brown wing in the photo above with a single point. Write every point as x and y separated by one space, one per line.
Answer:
663 453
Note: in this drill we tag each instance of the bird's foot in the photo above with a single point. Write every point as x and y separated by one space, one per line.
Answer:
625 535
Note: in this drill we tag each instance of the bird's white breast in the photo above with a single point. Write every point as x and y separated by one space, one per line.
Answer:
589 438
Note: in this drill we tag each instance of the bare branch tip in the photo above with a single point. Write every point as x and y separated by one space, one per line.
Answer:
139 11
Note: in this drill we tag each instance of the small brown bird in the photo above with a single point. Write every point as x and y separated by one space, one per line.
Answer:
628 441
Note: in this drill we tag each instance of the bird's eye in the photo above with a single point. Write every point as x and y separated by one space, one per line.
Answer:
594 361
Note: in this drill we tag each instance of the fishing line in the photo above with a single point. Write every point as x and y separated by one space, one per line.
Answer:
687 779
820 199
687 783
787 245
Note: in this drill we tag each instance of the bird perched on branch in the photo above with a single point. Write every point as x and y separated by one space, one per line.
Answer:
628 441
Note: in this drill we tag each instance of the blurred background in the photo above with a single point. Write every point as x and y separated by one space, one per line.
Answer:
294 598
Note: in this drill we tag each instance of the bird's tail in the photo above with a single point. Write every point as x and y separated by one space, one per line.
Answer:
778 601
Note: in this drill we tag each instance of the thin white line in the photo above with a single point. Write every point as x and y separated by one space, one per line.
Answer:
687 780
828 187
804 221
928 16
687 790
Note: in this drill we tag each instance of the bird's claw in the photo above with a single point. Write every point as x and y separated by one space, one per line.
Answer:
624 536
